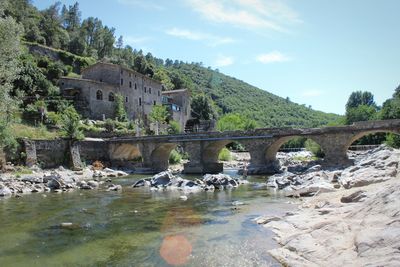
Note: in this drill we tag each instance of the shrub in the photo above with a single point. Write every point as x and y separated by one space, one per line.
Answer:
70 122
174 127
109 125
314 148
225 155
175 157
393 140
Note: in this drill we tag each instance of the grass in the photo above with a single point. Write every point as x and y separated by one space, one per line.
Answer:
225 155
27 131
302 158
21 170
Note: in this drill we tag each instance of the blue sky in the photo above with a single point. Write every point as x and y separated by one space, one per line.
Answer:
316 52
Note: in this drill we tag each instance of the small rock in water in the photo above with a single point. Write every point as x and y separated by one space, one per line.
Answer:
237 203
183 197
69 225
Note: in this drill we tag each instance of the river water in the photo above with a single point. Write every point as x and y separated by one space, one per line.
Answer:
138 227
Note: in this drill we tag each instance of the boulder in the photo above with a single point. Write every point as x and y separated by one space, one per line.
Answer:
162 178
354 197
5 191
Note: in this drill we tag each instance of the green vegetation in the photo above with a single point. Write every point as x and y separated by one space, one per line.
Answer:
175 157
70 122
158 115
120 112
231 122
314 148
26 131
225 155
173 127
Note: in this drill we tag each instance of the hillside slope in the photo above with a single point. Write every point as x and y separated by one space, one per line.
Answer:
235 96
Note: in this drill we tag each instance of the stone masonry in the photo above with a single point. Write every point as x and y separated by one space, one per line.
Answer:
203 148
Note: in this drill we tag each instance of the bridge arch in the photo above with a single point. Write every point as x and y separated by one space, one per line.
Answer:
272 150
211 151
125 151
360 135
159 156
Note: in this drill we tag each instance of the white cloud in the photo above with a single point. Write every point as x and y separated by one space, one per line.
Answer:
272 57
209 39
141 4
224 61
133 40
253 14
312 93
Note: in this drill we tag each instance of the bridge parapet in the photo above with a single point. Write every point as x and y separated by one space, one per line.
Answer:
203 148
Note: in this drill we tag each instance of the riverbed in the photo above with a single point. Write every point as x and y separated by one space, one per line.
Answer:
139 227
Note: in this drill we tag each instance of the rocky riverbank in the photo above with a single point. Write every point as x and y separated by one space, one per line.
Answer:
351 219
58 180
210 182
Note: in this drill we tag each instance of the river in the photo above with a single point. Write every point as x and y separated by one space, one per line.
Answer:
138 227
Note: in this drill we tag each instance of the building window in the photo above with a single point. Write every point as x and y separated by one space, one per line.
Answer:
111 97
99 95
158 93
101 80
130 75
135 86
126 99
149 90
130 84
122 72
122 81
140 101
145 89
154 103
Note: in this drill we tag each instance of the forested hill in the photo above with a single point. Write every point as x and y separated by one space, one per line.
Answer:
80 42
235 96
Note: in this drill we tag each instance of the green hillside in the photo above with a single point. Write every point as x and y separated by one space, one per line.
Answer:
235 96
73 43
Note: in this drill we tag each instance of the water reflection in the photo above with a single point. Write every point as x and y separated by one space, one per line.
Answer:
176 249
137 227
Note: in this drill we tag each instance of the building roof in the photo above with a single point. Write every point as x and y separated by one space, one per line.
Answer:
122 67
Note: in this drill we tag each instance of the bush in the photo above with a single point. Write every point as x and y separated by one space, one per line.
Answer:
109 124
393 140
314 148
175 157
53 118
225 155
70 122
174 127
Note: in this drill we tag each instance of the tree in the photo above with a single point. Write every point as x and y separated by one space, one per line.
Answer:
70 122
10 34
232 122
360 107
158 114
120 112
359 98
202 108
120 42
360 113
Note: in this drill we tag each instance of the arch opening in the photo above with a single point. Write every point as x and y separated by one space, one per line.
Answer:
126 156
160 156
294 150
226 154
372 139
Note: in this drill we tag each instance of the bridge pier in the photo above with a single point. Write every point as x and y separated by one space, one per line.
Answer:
259 163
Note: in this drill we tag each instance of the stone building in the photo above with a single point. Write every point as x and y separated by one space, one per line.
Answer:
94 93
178 105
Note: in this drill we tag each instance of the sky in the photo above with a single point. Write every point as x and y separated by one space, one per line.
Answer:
316 52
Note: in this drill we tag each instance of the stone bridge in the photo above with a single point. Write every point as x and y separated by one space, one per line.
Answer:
203 148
